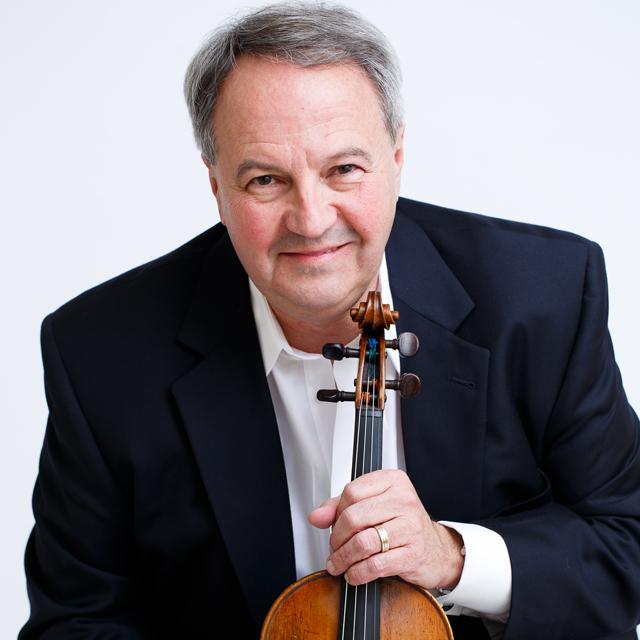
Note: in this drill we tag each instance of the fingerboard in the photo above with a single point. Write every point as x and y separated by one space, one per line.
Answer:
360 605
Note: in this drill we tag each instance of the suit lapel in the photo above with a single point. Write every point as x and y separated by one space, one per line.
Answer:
226 408
444 428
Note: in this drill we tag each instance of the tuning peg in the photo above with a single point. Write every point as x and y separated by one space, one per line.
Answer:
409 385
334 395
407 343
337 351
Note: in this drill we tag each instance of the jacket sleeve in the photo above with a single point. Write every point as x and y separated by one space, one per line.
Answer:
576 561
80 564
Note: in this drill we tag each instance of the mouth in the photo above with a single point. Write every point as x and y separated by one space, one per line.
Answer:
316 254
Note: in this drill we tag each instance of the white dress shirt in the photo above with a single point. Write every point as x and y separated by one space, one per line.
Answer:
317 442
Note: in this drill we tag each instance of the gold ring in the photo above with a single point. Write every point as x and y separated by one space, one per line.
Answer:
384 537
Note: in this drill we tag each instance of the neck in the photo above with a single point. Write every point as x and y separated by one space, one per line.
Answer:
311 336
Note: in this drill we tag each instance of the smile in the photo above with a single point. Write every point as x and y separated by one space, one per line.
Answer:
319 254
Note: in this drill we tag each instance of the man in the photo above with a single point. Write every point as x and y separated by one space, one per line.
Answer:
185 449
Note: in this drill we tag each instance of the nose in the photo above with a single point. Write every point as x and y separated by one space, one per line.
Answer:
310 212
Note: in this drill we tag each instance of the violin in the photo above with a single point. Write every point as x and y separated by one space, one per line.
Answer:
322 606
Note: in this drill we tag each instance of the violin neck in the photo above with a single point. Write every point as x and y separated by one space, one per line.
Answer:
367 441
360 606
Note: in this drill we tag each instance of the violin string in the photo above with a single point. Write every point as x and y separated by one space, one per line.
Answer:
362 472
370 401
360 469
370 468
373 405
354 475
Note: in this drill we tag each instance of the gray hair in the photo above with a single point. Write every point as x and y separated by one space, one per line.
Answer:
298 33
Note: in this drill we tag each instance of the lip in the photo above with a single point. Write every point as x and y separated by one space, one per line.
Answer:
315 256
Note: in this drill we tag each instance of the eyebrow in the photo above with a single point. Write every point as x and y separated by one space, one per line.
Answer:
250 164
351 152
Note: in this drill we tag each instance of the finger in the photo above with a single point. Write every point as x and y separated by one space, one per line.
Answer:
324 515
394 503
367 543
370 485
361 516
380 565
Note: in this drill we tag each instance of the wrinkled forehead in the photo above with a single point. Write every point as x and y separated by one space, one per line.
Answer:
269 100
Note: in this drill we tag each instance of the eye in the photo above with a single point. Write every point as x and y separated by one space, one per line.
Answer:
346 174
266 186
262 181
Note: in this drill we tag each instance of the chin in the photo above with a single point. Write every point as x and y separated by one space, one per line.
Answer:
318 299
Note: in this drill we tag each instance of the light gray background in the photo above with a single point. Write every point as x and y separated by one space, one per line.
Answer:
519 109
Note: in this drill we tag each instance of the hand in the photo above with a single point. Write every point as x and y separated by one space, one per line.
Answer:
421 551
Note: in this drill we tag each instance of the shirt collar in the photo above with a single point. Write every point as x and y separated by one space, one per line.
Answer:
272 339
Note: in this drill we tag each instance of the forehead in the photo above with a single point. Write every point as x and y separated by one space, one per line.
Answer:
269 102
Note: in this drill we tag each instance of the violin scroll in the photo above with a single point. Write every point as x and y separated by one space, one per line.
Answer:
373 318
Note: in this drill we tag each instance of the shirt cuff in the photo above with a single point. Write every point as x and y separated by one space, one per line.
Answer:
485 583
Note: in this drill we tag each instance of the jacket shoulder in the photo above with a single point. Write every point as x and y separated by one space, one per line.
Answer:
434 218
506 256
517 274
155 292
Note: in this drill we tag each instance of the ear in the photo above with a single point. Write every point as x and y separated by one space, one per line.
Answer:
398 156
215 187
398 149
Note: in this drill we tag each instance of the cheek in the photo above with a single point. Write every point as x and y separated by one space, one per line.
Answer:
372 213
251 228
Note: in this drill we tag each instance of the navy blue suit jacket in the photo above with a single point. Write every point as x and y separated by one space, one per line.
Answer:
161 503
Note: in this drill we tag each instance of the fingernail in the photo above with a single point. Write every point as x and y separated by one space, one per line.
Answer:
331 568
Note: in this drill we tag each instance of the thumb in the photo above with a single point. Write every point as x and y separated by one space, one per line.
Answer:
325 515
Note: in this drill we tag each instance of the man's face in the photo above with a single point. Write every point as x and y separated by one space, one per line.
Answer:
306 181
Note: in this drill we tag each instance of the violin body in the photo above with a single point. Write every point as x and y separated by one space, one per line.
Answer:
309 609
